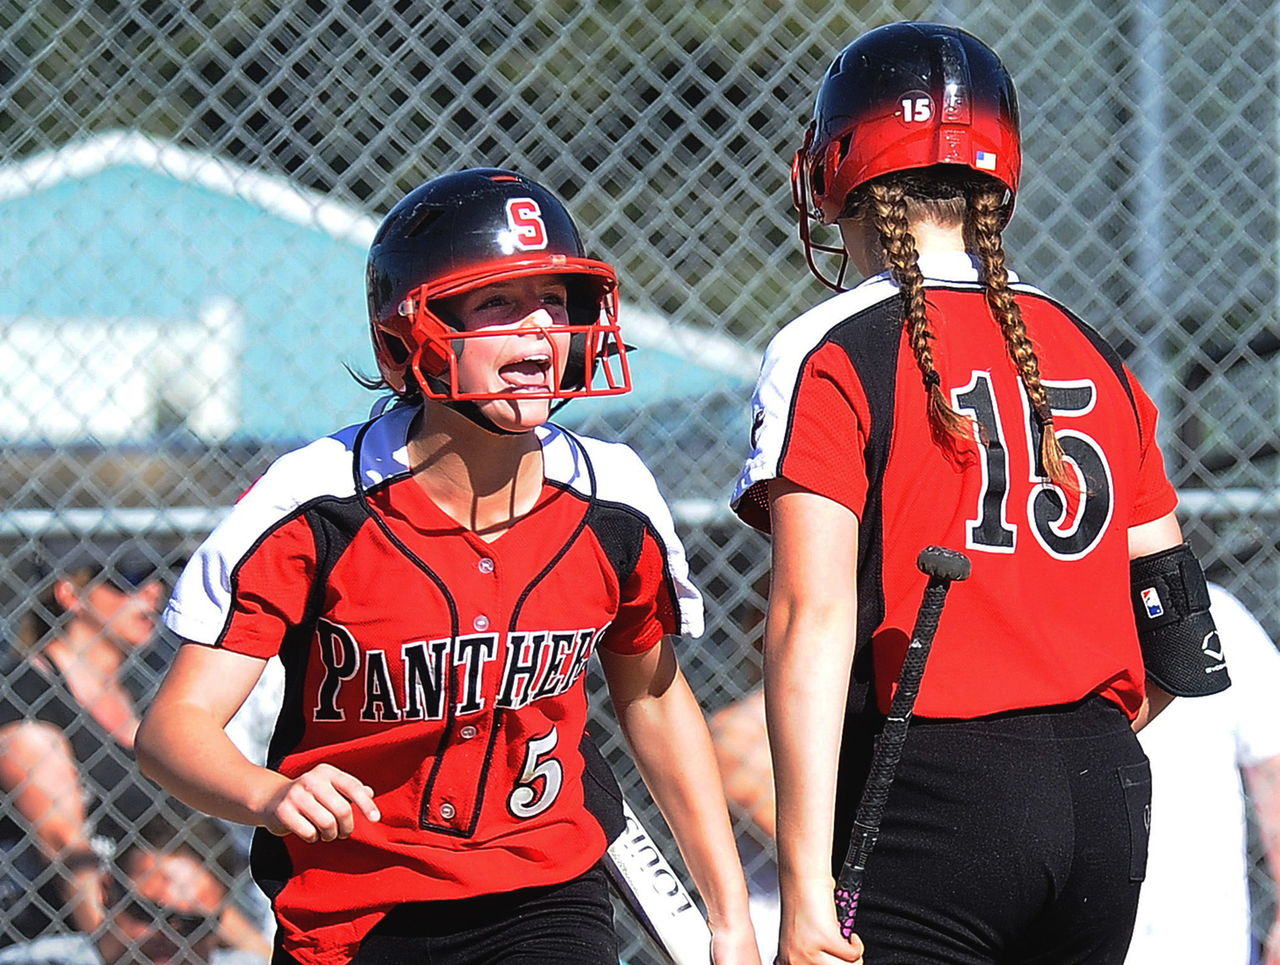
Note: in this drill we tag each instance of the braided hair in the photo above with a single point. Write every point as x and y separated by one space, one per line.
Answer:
887 203
986 218
980 205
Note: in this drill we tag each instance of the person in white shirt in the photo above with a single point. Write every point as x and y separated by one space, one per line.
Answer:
1194 905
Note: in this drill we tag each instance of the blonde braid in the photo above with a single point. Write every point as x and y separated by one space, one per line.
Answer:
887 200
986 208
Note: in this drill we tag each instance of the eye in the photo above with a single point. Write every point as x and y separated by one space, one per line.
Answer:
555 298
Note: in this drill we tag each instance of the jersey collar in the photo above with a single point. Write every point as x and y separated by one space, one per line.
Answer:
948 267
384 451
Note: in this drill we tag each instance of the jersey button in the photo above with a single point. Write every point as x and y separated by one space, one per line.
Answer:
447 812
481 622
485 565
468 732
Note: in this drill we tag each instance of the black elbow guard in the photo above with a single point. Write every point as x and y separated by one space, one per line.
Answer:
1175 629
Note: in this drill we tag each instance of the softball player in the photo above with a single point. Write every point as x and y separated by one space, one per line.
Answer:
1016 828
435 581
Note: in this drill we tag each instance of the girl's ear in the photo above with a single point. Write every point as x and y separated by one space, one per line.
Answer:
392 357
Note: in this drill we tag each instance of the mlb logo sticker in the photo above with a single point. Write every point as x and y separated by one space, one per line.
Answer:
985 160
1151 600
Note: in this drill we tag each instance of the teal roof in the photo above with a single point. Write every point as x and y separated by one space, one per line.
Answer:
136 231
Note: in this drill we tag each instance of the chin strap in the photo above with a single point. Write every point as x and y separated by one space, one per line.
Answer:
468 409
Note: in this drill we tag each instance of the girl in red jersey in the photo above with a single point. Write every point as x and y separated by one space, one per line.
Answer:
1015 830
435 581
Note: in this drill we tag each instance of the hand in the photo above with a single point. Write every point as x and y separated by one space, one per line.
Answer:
811 936
317 806
734 946
1271 950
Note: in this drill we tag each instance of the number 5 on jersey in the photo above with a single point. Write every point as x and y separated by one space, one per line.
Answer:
1062 534
540 780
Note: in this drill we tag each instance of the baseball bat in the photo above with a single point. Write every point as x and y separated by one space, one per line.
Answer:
943 567
653 893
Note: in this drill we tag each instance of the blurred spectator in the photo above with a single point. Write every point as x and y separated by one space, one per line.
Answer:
70 793
66 735
1194 906
163 906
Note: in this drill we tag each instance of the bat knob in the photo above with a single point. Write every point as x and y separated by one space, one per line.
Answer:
941 563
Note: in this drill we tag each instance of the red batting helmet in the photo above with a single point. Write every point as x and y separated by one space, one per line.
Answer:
900 97
462 231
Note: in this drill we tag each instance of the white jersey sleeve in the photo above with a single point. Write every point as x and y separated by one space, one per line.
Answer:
199 606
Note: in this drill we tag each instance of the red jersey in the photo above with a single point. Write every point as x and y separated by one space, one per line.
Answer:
444 671
1045 617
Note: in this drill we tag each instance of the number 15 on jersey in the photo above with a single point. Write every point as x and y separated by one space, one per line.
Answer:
1067 528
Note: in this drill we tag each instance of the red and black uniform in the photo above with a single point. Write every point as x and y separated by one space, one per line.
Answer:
444 671
1044 623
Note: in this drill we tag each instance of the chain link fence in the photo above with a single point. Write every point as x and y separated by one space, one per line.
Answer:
187 191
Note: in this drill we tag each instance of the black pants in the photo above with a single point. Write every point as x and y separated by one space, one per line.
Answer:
1013 839
568 924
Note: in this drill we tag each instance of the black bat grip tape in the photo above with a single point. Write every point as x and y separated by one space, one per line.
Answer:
889 744
942 566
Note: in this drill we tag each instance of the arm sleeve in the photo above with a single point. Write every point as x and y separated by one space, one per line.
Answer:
1154 494
251 578
269 591
810 423
647 609
829 432
244 588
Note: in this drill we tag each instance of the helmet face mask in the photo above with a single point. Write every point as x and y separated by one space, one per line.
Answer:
903 97
462 232
802 199
594 363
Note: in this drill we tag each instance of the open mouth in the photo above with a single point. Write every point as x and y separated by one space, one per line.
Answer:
532 373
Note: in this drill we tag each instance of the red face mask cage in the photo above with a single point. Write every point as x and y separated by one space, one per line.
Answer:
806 202
595 363
604 367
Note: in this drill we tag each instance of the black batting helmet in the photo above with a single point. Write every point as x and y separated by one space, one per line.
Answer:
901 97
461 231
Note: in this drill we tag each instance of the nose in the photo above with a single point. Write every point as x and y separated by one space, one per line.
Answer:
536 323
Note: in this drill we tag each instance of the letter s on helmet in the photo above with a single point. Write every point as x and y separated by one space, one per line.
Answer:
462 231
900 97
